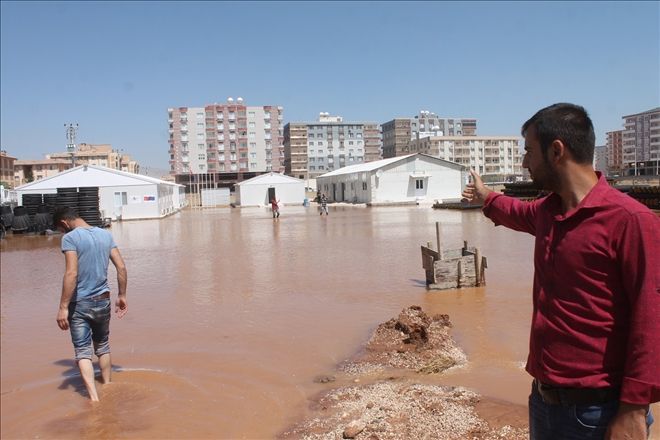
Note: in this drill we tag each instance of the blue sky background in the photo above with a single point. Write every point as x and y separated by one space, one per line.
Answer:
115 67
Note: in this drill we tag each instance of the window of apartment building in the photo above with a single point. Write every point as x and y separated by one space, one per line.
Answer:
201 167
311 135
312 168
311 144
221 157
252 135
232 146
221 147
221 167
269 144
200 125
311 159
234 167
232 126
253 155
200 135
232 115
251 125
253 165
221 126
232 156
201 157
243 155
251 114
199 115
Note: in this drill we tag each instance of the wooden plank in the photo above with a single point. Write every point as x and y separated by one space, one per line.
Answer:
437 239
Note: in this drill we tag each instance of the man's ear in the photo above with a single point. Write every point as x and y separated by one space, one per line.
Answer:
557 151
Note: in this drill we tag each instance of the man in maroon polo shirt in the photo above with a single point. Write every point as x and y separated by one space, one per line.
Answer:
595 339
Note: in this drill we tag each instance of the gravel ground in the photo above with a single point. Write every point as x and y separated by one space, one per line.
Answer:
400 408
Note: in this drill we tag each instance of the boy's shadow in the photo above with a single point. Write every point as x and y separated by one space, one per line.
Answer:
72 377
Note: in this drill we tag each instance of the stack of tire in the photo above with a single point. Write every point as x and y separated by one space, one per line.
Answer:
21 222
50 200
31 202
67 198
6 216
88 205
43 219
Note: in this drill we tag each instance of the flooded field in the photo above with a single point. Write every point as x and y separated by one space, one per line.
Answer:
232 315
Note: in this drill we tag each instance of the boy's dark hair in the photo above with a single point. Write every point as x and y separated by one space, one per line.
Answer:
64 213
568 123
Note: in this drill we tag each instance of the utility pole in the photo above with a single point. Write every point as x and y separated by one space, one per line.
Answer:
71 131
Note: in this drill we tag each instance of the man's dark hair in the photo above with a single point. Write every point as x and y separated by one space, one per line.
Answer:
568 123
64 213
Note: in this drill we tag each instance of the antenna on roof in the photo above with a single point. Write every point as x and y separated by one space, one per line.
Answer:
71 131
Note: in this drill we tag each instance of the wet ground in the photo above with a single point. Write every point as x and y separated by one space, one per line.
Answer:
232 315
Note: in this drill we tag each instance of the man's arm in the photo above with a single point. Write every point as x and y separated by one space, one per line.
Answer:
121 305
638 253
502 210
68 287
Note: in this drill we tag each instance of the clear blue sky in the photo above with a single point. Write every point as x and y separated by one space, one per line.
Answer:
115 67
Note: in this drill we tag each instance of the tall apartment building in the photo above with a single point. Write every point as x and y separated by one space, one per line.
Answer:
600 158
399 132
225 143
7 168
488 155
330 143
614 147
641 142
101 155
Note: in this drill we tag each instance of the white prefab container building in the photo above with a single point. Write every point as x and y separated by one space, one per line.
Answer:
259 190
122 195
414 178
215 197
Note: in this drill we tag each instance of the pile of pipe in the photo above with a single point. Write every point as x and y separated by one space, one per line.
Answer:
21 221
6 216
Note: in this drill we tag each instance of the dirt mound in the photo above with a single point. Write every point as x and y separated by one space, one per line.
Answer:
399 408
412 341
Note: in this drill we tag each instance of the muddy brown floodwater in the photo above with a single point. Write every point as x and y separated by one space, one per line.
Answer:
232 315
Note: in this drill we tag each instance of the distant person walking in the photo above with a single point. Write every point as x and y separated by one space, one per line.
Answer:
85 301
324 205
594 344
275 207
